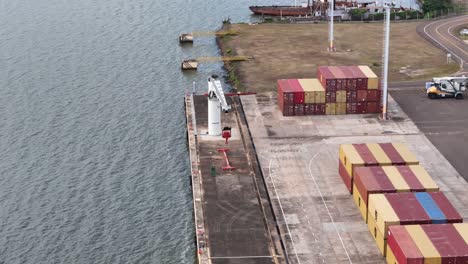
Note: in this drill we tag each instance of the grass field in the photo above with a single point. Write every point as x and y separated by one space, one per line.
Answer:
295 51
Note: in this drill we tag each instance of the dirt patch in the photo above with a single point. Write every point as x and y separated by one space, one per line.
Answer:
295 51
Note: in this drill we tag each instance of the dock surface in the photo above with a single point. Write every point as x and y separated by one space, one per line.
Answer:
317 217
233 215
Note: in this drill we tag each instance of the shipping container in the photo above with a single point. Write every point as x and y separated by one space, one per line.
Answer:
431 208
372 79
380 216
392 153
320 95
362 96
373 107
424 244
330 96
330 109
367 180
344 175
361 78
299 109
285 98
350 159
320 109
406 154
401 248
309 109
341 79
357 197
414 183
360 155
281 94
351 83
402 209
298 91
351 96
309 93
374 95
449 212
448 242
351 108
441 243
317 89
422 175
389 179
408 208
462 230
379 154
397 179
390 258
361 108
341 108
289 110
341 96
316 92
326 78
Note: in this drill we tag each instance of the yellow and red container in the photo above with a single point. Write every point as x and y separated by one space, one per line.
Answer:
389 179
337 90
372 79
389 209
313 91
372 154
422 244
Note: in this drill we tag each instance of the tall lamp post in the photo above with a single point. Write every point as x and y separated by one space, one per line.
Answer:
386 54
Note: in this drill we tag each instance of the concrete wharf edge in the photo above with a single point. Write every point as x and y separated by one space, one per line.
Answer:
197 190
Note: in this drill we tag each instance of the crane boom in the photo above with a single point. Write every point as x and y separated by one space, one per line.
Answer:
215 85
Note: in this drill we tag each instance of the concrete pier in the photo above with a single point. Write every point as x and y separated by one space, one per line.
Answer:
285 203
318 219
233 215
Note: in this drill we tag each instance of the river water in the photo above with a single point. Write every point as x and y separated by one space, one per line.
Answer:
93 164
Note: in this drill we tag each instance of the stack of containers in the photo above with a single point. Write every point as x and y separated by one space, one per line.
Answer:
389 179
365 155
387 209
418 244
338 90
392 190
301 97
355 88
369 99
288 97
314 96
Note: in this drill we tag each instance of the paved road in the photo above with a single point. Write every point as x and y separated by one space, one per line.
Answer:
441 34
443 121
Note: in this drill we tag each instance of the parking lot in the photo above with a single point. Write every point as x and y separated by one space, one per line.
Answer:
443 121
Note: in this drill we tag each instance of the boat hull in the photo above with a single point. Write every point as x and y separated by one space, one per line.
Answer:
282 10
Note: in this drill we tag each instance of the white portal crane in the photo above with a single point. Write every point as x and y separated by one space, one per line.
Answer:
216 103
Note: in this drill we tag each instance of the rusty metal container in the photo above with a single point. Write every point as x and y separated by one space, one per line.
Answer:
326 78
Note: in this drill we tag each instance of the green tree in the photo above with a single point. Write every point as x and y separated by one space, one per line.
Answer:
435 5
357 14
